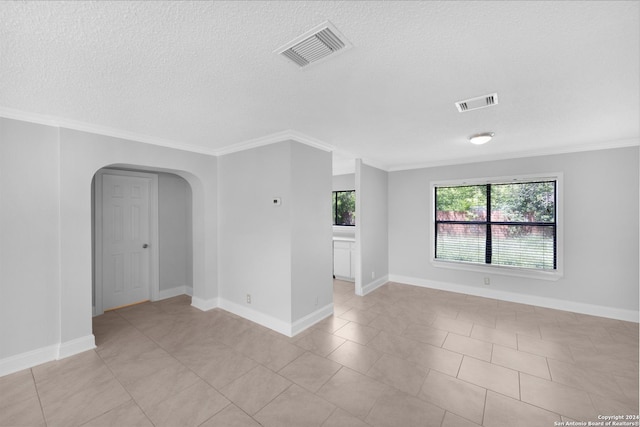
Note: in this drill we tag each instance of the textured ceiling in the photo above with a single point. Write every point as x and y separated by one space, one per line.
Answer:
204 75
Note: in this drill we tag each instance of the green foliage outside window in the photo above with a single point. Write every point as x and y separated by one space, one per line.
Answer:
530 202
464 203
344 207
510 224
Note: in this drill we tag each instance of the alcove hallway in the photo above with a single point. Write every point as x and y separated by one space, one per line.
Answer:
402 355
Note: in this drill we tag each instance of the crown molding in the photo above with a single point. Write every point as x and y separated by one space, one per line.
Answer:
606 145
286 135
41 119
59 122
292 135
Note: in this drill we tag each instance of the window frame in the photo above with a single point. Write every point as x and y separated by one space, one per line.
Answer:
503 269
334 193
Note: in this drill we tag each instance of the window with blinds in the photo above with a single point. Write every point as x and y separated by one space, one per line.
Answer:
507 224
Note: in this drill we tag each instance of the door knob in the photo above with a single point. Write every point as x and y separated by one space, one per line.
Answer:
145 246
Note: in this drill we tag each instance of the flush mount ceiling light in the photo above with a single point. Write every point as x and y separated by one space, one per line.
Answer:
481 138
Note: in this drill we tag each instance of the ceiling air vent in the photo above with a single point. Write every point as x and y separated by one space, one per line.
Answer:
316 44
476 103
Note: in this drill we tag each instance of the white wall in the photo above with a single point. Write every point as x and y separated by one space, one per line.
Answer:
257 242
600 232
174 232
29 238
255 237
311 241
346 182
46 263
372 235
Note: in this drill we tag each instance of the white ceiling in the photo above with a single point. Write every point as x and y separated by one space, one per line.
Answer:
203 75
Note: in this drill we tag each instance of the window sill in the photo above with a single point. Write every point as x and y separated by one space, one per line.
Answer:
500 270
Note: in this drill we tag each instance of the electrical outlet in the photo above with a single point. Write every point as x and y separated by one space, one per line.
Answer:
316 301
248 298
373 274
487 281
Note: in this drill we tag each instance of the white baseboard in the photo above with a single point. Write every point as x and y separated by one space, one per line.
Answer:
174 292
311 319
36 357
558 304
29 359
280 326
255 316
372 286
78 345
204 304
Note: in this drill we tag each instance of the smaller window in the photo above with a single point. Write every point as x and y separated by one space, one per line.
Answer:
344 207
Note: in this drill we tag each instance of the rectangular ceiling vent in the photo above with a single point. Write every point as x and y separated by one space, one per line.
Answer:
477 103
318 43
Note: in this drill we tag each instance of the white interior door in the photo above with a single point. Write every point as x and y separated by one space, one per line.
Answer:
126 253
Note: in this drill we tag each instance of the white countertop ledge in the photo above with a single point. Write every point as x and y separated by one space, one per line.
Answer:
343 239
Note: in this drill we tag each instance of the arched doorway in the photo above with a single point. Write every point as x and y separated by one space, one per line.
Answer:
142 222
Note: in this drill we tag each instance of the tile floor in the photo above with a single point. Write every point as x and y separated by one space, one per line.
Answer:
401 356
